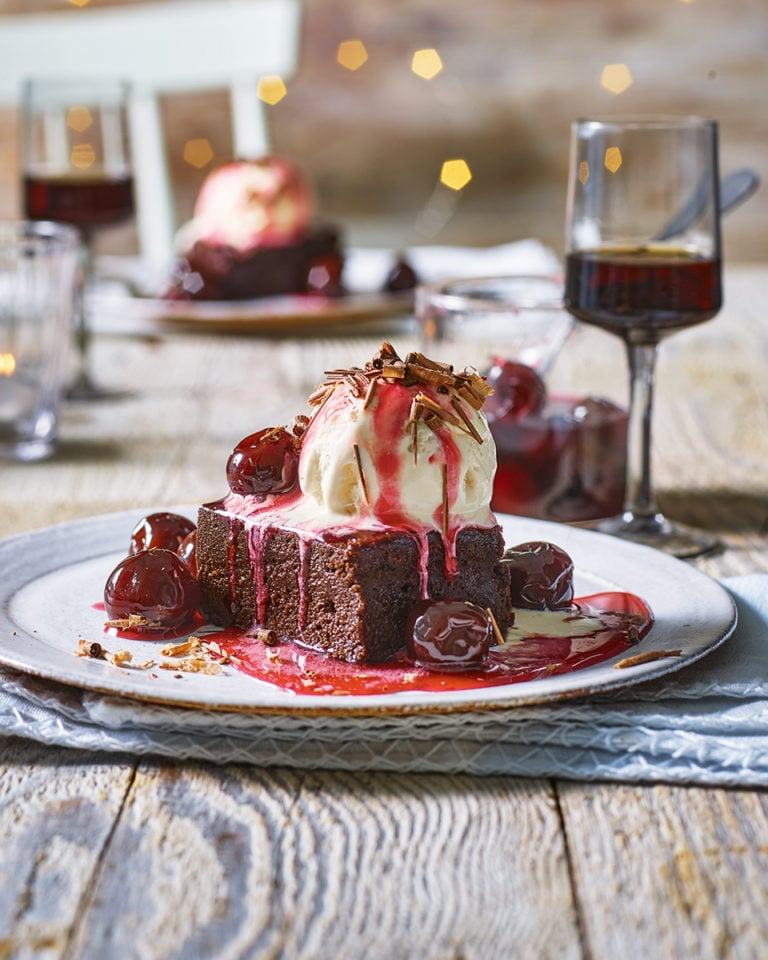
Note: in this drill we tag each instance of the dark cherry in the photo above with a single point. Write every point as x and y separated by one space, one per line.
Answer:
449 635
163 530
264 463
188 552
541 576
401 277
324 276
517 391
155 585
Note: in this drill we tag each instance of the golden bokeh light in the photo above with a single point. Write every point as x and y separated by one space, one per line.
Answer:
612 159
271 89
7 364
79 3
82 156
79 119
351 54
426 63
198 152
455 174
583 172
616 78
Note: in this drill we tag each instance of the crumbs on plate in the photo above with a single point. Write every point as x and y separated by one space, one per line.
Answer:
192 655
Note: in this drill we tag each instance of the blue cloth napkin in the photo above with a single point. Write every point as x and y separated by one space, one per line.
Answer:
706 724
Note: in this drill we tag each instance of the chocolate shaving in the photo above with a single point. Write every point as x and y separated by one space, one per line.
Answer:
457 406
437 410
321 394
369 393
359 463
647 657
495 627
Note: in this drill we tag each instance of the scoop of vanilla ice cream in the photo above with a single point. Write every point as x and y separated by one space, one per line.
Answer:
357 461
250 203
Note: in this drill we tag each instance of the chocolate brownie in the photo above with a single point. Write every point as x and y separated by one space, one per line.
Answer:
348 596
212 272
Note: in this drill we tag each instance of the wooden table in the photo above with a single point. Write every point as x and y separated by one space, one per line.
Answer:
108 856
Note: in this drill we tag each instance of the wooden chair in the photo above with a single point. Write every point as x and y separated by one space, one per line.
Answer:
163 47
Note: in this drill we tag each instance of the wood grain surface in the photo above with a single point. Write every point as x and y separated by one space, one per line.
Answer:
111 857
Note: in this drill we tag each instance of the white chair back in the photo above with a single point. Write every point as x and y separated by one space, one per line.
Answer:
166 47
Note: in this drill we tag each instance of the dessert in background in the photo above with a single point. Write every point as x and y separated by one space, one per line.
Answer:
253 234
335 530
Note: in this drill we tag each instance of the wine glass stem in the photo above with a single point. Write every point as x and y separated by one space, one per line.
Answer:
82 330
639 500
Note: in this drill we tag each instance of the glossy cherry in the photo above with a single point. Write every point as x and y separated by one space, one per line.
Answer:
163 530
401 277
449 635
541 576
188 552
155 586
518 391
324 276
264 463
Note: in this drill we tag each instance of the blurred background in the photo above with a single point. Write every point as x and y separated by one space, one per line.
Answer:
495 83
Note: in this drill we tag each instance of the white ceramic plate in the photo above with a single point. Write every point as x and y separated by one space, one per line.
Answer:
278 314
52 578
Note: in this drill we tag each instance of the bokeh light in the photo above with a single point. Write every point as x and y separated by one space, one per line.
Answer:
426 63
616 78
198 152
583 171
7 364
455 174
82 156
79 3
613 159
79 119
271 89
352 54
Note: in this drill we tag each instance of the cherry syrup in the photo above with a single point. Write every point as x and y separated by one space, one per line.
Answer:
596 628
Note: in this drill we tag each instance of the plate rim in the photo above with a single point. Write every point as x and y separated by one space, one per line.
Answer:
507 696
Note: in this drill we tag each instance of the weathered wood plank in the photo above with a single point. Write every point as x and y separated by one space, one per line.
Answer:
236 862
668 871
57 811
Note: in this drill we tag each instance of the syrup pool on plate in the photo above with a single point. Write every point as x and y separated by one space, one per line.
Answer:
546 643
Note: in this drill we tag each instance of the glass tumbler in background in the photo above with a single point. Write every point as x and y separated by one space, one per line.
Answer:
558 457
38 269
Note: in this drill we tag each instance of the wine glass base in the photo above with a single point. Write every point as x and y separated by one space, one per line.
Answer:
84 389
676 539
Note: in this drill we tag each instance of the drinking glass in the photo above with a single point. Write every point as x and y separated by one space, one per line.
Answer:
76 168
643 261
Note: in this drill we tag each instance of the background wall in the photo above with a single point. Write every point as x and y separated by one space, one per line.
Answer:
515 73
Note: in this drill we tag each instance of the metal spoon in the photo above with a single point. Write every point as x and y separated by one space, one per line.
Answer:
734 189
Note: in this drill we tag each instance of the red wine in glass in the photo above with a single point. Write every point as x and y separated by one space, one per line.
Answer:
86 202
655 290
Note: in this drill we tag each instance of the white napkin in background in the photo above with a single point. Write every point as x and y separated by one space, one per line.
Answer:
706 724
366 268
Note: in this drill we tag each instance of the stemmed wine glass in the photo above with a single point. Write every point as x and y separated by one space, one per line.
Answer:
642 261
76 168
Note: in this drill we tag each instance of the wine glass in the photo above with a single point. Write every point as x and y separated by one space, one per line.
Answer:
76 168
642 261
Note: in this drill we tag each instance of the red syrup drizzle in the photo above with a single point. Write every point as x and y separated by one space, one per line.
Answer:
624 619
